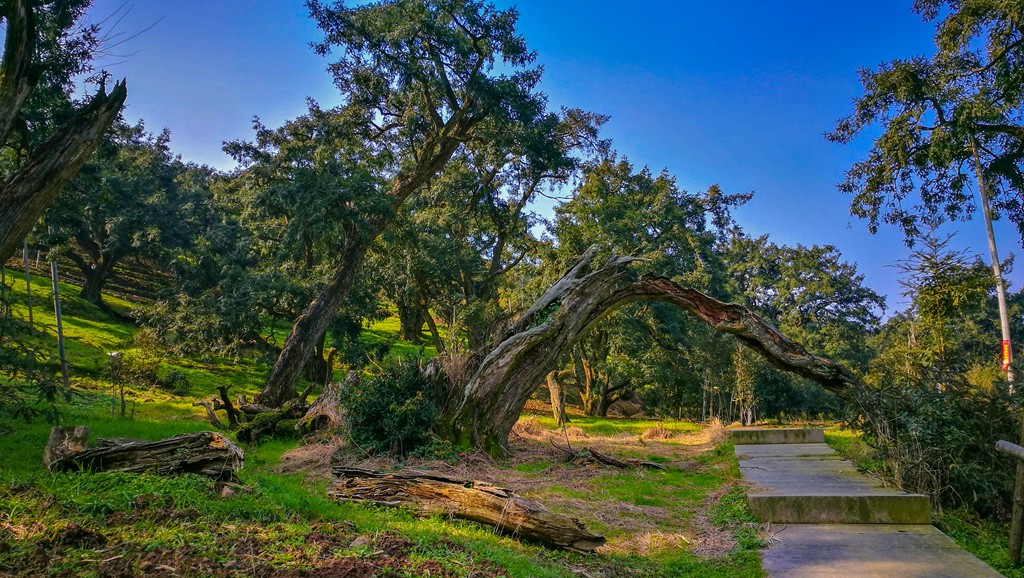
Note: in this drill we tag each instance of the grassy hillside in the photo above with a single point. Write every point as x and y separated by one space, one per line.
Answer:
686 521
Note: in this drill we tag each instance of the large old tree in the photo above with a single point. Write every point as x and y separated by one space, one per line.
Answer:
488 405
43 50
418 81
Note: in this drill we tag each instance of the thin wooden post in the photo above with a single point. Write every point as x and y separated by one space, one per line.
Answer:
1017 523
60 323
28 284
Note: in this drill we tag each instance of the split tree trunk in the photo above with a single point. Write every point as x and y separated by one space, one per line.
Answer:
481 502
483 413
26 193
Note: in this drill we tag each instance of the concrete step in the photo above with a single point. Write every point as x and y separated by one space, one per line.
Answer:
757 436
869 551
852 508
809 484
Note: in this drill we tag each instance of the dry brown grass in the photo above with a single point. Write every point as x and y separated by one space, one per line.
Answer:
527 426
314 458
657 433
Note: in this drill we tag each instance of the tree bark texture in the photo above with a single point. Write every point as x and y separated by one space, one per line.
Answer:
204 453
410 321
465 499
326 410
483 413
557 393
26 193
65 441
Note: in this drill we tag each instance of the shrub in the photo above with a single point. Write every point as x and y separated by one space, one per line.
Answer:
176 382
393 411
940 441
131 368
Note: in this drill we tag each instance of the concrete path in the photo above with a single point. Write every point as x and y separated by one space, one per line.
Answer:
834 522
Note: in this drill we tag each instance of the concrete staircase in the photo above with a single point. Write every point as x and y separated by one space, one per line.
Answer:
836 522
807 483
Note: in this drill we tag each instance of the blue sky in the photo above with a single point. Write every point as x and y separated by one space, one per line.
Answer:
736 93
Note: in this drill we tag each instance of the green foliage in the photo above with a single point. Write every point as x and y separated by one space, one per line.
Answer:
936 113
177 382
133 198
939 439
132 367
437 449
394 410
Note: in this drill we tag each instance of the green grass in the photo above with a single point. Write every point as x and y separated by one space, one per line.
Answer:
288 514
610 426
743 562
89 333
850 446
986 540
386 330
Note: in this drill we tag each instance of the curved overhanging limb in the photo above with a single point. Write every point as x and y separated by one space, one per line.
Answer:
492 399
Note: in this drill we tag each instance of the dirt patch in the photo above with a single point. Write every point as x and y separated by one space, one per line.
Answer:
337 568
75 535
168 563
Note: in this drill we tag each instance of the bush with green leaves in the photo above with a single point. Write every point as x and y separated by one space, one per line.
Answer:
939 439
176 382
395 410
131 368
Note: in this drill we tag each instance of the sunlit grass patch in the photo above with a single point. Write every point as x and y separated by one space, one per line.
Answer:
609 427
849 445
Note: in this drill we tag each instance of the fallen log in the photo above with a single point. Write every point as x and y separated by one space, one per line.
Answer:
249 409
205 453
624 464
470 500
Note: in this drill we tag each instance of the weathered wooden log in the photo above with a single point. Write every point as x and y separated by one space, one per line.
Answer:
206 453
624 464
249 409
480 502
65 441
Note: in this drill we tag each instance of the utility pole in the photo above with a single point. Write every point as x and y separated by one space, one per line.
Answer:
1004 318
1017 522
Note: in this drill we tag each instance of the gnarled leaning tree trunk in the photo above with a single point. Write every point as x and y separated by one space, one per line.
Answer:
280 386
484 411
26 192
